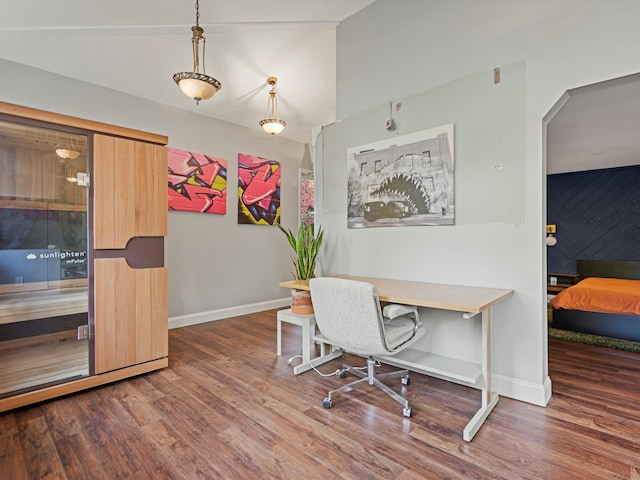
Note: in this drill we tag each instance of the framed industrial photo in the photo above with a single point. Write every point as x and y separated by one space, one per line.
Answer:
402 181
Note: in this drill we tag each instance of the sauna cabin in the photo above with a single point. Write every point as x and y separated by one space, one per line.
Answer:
83 287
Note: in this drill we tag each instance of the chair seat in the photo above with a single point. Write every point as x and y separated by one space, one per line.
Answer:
398 330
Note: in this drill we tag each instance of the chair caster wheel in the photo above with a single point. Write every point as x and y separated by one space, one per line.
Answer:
406 412
406 380
343 374
327 403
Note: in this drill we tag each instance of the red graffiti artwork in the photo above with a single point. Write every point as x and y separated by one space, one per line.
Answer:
258 190
197 183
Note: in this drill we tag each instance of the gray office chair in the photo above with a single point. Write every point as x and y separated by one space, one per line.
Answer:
348 316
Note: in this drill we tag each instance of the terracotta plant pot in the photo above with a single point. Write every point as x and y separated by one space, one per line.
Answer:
301 302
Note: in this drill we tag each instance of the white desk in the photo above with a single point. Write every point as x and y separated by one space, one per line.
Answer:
468 300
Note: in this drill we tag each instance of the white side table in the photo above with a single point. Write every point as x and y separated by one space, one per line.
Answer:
307 322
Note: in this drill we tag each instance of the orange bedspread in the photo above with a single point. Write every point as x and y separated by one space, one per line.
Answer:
606 295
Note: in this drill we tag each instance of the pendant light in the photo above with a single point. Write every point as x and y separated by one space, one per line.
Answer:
272 124
67 153
67 150
196 85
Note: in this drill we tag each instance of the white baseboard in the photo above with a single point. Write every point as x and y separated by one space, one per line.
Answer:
524 391
211 315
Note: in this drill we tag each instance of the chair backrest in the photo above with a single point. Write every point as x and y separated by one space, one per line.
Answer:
348 315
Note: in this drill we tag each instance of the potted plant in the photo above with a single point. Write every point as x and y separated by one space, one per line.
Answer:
306 245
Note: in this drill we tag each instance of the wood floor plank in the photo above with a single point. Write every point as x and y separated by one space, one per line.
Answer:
187 459
74 453
227 407
12 458
41 456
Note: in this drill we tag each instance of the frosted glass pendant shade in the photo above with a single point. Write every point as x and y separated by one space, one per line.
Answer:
197 85
67 153
273 126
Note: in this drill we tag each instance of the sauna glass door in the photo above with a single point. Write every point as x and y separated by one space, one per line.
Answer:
43 257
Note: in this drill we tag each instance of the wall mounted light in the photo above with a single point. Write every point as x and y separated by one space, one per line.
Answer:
551 240
196 85
272 124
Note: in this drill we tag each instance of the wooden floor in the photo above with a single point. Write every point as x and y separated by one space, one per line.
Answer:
228 408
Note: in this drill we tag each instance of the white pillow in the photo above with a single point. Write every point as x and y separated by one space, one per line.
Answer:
395 310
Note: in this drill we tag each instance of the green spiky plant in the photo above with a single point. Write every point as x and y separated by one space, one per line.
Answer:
307 246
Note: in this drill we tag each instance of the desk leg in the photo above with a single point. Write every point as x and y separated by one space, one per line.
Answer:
489 398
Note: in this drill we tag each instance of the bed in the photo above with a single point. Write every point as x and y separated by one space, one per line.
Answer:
624 279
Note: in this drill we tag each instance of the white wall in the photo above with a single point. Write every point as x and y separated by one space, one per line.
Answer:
217 268
394 49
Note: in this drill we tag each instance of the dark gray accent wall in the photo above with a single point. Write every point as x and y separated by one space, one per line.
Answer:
597 214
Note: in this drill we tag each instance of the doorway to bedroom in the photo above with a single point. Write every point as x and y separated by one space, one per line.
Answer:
593 202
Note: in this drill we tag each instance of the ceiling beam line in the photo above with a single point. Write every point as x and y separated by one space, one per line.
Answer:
288 23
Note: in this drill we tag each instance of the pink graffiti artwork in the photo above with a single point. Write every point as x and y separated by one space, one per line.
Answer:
197 182
258 190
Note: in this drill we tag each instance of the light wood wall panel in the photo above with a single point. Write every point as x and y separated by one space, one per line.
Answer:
28 174
126 210
151 192
7 171
103 190
131 314
40 176
50 175
142 187
130 191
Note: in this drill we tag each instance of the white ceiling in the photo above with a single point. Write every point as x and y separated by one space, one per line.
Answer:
598 127
135 46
